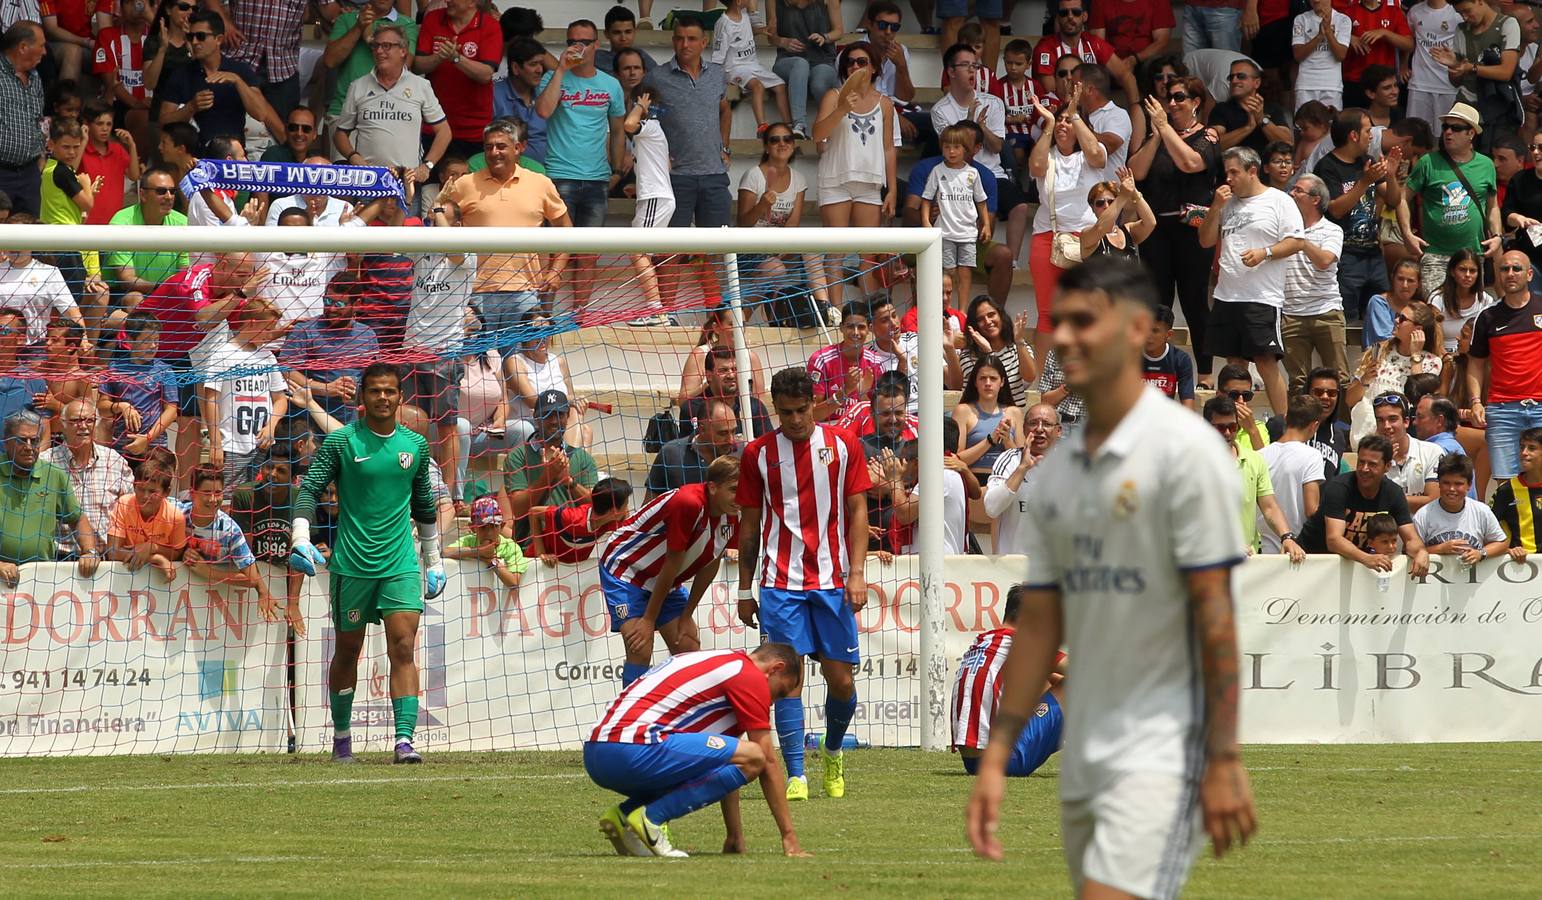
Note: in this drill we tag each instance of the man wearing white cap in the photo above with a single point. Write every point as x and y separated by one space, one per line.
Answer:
1461 197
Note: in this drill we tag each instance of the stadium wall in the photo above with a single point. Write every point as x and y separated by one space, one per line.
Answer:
121 664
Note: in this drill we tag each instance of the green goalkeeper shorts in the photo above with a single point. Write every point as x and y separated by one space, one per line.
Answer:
357 602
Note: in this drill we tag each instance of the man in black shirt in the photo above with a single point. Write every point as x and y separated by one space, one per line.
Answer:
723 384
214 93
1242 119
1354 182
684 461
1348 503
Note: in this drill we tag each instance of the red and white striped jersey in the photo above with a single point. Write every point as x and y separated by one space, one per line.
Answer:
123 56
976 688
673 522
1019 102
801 489
707 692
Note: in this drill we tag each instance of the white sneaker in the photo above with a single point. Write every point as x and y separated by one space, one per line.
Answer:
653 321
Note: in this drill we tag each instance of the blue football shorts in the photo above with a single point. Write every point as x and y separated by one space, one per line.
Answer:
645 772
815 623
1038 742
628 601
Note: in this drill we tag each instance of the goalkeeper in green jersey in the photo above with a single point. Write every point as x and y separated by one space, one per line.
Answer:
382 474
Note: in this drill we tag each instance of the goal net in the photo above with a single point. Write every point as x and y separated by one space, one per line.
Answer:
137 364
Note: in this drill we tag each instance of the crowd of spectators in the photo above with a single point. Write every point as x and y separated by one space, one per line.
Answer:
1284 173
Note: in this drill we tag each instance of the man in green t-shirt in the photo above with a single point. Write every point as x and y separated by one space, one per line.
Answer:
381 472
348 46
1453 219
546 471
139 271
35 497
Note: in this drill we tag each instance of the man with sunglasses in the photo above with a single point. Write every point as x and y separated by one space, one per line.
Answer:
1258 503
1071 39
1242 119
298 138
324 353
1412 463
1453 218
212 91
140 271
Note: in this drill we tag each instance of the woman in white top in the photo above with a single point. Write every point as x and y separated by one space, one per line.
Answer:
655 196
1071 152
771 196
1460 297
855 136
533 369
1385 367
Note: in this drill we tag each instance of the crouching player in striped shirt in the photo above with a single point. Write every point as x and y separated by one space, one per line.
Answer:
678 536
689 733
977 689
803 504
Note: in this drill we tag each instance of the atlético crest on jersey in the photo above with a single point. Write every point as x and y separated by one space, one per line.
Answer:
715 743
1041 711
826 455
1537 321
1127 501
726 530
621 611
405 458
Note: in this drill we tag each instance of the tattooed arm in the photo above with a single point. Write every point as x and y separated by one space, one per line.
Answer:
1225 794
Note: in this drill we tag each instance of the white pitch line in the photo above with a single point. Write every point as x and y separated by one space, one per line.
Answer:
884 862
319 782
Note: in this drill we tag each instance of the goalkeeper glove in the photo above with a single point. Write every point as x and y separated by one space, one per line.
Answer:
433 565
303 555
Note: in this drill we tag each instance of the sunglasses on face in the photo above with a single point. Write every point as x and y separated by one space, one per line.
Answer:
186 7
1069 13
857 62
1244 396
301 127
159 190
1400 319
1512 267
1177 98
196 36
887 26
781 139
1239 76
1102 202
1325 392
1452 126
1224 427
583 42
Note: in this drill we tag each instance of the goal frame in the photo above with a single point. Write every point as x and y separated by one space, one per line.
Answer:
926 243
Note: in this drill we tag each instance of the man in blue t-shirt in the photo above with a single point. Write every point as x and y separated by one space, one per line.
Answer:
583 111
993 258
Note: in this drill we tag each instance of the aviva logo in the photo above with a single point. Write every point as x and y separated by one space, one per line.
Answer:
218 678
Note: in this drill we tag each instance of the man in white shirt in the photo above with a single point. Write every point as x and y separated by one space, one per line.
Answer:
1015 473
36 290
1413 461
1295 470
1320 41
1313 312
962 102
1106 119
1133 533
1254 224
1457 524
1434 23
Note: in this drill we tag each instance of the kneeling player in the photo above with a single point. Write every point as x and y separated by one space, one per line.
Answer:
671 743
381 472
678 536
977 689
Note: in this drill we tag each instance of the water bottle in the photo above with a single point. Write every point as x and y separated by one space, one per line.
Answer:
849 742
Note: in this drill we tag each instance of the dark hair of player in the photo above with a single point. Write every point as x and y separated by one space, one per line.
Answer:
382 370
792 382
609 495
1015 596
1122 280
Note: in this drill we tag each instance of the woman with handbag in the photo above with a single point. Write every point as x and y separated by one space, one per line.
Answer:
1067 160
1177 170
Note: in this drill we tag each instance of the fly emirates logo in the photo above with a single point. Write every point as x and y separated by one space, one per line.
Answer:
1089 574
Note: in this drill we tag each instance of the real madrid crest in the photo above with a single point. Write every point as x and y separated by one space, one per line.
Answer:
1127 501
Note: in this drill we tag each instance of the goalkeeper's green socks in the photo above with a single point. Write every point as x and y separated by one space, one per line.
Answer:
405 711
342 712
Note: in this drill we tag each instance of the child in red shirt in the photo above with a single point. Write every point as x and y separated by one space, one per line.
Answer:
570 532
114 161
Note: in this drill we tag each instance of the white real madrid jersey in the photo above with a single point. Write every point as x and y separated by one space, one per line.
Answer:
1115 534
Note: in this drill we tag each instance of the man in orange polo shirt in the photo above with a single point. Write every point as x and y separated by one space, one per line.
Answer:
508 286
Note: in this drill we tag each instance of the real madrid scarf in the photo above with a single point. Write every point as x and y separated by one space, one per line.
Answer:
282 179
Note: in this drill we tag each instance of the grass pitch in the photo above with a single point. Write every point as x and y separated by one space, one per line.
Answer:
1358 821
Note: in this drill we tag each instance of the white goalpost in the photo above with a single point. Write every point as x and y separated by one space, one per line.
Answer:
931 664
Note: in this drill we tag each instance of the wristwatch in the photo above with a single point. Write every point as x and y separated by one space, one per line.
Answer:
1288 536
1266 121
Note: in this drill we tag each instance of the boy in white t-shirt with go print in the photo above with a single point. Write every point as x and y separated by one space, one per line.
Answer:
954 198
245 395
